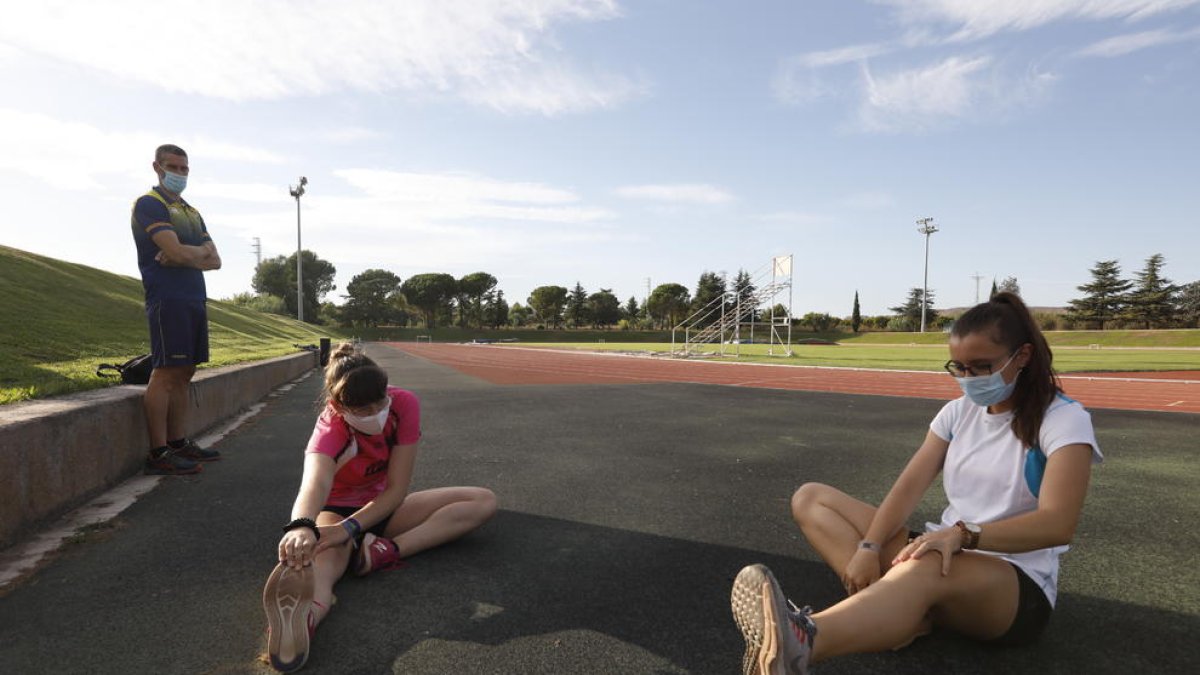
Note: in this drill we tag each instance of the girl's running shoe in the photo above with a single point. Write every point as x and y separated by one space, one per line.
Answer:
376 553
287 600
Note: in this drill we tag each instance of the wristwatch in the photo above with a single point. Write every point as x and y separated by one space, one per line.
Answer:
970 534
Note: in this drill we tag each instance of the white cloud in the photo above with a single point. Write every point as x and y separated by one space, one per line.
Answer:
951 90
908 97
351 135
692 193
1121 45
798 80
977 19
43 147
498 53
834 57
392 196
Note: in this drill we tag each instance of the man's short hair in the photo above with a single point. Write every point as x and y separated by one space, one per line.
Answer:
168 149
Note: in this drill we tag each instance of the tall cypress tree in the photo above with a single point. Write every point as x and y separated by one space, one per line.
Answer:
856 315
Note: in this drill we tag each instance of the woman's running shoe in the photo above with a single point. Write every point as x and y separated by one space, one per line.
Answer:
778 635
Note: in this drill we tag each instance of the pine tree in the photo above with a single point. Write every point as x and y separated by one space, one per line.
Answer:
1153 301
631 309
910 311
1104 298
744 289
856 315
708 289
994 289
577 309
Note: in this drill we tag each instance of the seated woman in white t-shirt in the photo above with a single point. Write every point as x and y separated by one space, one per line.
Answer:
1015 456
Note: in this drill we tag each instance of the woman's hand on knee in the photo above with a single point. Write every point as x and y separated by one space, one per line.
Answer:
945 542
862 570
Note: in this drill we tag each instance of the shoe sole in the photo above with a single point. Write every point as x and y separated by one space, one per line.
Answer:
194 458
754 599
287 599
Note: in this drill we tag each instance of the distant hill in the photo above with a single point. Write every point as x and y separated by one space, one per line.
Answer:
955 311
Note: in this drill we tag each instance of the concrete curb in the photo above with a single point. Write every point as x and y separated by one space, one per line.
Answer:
55 454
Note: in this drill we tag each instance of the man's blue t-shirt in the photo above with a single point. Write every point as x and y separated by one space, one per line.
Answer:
153 212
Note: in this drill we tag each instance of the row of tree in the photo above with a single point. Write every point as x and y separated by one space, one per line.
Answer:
379 297
1149 300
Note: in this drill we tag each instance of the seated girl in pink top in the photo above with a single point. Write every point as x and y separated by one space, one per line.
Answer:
354 509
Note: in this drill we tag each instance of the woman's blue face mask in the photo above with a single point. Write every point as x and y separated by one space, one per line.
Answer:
986 390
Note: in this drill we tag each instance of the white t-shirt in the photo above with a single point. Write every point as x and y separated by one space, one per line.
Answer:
990 475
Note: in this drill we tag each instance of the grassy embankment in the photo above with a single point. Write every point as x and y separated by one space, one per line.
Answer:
60 320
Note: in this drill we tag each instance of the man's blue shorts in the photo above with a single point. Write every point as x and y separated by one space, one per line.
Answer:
178 332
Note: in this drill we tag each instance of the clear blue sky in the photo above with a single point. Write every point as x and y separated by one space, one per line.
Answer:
555 141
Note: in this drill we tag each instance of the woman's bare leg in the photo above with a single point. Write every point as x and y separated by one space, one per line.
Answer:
978 598
328 567
431 518
833 522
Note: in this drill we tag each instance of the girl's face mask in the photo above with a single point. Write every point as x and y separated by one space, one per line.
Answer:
370 424
985 390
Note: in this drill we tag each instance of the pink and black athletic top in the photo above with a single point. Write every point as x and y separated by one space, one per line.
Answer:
362 460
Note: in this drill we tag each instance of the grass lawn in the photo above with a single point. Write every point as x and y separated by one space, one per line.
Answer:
61 320
924 357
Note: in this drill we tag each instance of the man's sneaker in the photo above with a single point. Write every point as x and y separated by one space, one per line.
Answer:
778 635
287 600
189 450
376 553
169 463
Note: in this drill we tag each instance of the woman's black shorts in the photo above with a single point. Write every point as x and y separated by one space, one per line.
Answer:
1033 613
347 511
1033 610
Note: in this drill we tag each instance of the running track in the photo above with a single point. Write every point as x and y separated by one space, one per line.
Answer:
1168 392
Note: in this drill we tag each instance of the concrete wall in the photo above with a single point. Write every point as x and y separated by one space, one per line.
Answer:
57 453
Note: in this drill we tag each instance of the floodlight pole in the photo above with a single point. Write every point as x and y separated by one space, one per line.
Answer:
927 228
298 192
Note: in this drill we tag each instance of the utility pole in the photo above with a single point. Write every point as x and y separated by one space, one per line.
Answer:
257 248
977 276
298 192
927 228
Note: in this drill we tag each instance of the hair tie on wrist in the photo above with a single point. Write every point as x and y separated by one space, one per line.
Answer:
303 522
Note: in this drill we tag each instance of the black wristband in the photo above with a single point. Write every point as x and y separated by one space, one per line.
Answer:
303 522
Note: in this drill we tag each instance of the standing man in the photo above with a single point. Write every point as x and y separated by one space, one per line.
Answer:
174 250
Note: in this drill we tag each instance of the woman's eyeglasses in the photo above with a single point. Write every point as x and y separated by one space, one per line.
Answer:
963 370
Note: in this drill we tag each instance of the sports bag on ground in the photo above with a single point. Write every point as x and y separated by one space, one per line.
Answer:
134 371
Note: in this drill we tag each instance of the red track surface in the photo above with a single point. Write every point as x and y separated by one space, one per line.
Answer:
1177 392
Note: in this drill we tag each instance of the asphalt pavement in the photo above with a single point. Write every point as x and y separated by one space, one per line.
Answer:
626 510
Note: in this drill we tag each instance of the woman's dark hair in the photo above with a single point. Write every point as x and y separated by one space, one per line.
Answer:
352 379
1006 321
